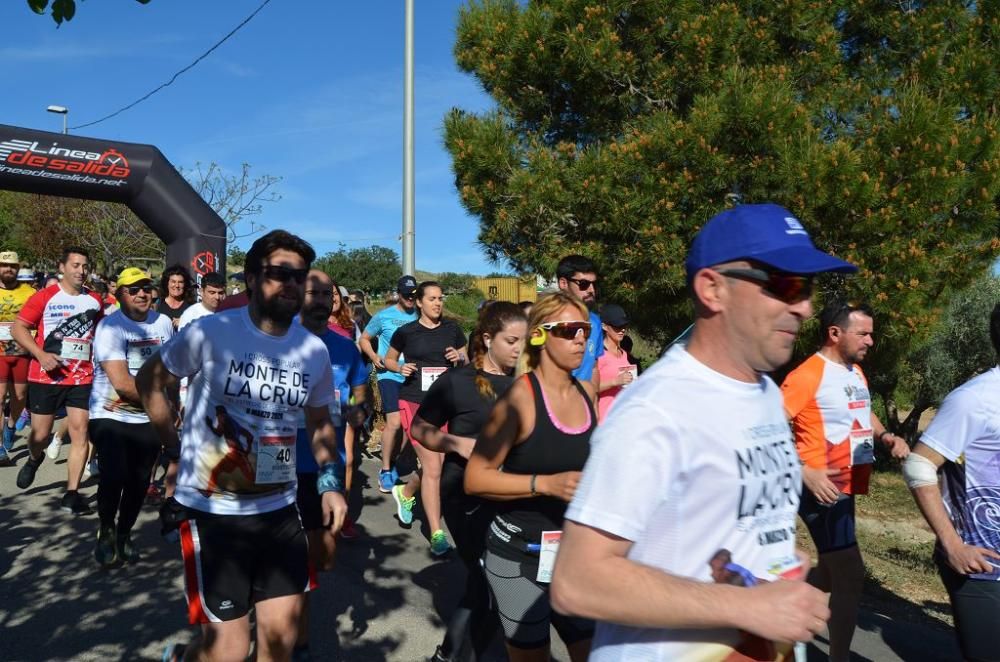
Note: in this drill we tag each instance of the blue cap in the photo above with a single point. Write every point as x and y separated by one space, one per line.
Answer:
765 233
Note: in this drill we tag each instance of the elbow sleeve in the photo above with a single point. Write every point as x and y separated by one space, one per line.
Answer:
918 471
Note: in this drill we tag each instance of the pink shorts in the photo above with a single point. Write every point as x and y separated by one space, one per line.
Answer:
407 412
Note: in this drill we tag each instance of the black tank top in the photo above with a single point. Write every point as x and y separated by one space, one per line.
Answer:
547 450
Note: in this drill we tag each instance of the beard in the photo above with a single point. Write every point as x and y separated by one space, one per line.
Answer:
9 283
279 310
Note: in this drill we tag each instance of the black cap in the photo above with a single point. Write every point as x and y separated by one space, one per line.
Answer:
407 285
614 315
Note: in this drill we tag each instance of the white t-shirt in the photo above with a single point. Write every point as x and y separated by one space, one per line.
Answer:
193 312
712 476
119 338
243 409
968 423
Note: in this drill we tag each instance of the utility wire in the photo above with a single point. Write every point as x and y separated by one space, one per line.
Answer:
176 75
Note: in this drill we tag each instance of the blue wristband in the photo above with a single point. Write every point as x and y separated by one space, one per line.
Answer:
329 479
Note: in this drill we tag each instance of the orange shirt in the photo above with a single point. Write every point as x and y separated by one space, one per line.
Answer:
829 406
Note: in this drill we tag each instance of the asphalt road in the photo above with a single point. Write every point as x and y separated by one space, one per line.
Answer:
386 599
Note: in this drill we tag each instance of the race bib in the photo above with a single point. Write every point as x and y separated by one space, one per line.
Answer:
862 447
5 331
75 349
275 459
138 352
336 410
428 376
547 555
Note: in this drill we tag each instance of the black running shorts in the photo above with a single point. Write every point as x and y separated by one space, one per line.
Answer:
831 527
232 562
47 399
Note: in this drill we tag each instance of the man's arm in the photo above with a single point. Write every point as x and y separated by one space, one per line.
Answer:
896 444
964 559
21 333
152 384
594 579
323 440
120 378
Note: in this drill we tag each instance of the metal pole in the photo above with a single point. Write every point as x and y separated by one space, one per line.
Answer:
409 230
65 130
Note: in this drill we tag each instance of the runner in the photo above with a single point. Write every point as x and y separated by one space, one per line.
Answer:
613 365
828 402
14 359
127 444
577 275
213 291
65 316
459 401
175 289
430 346
256 374
341 319
964 439
528 458
673 538
349 381
381 327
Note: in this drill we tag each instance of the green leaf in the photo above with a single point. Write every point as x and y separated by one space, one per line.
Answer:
143 2
38 6
63 10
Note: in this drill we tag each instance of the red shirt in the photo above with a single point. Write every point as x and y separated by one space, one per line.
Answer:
66 325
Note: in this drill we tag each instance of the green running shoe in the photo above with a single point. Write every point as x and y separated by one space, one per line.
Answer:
127 550
439 543
404 506
105 551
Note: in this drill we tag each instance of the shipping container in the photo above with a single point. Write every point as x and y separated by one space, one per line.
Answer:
510 288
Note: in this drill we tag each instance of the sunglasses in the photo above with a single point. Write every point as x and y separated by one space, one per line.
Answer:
789 288
567 330
135 289
282 274
583 283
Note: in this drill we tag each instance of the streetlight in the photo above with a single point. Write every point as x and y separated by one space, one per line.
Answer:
60 110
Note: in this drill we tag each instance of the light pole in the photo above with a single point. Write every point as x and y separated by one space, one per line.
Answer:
60 110
409 259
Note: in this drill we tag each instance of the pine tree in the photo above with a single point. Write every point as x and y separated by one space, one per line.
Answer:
620 127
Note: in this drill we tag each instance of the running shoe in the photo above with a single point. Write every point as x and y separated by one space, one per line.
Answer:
8 438
386 480
105 550
439 543
127 551
22 420
72 502
26 476
5 459
92 469
54 447
349 531
404 506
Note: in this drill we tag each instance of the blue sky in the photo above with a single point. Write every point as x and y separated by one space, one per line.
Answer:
308 91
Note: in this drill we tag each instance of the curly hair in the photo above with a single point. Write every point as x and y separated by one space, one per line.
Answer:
493 318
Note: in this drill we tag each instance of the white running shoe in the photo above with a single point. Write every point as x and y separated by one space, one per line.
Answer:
93 469
54 447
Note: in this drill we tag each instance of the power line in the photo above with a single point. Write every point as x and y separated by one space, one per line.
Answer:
176 75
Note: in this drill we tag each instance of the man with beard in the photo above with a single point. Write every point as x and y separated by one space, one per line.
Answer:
14 359
65 316
350 377
578 276
828 402
241 538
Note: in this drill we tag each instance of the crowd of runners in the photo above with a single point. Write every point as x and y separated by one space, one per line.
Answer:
646 517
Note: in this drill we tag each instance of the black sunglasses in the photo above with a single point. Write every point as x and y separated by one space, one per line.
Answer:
282 274
583 283
135 289
789 288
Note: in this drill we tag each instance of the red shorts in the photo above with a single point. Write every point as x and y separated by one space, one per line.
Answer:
14 369
407 412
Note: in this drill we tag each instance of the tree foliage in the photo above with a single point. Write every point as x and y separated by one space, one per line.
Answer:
61 10
237 198
620 127
373 269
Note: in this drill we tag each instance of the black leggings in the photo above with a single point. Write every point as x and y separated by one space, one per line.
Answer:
127 453
975 603
473 624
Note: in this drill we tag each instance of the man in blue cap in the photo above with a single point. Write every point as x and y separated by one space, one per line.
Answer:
684 563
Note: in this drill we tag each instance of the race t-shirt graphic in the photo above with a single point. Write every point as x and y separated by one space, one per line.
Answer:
11 302
65 325
244 404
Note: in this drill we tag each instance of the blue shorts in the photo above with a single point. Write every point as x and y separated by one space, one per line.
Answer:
389 390
831 527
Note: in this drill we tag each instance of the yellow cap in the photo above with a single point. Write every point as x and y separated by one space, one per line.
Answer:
131 276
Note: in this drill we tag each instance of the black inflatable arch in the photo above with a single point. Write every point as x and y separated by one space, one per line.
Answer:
138 176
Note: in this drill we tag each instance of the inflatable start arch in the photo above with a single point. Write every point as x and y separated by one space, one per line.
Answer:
138 176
